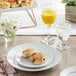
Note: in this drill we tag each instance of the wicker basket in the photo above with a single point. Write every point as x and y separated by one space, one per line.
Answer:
70 13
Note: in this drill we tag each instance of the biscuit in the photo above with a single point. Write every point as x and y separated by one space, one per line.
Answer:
3 0
4 5
30 2
28 52
13 3
37 58
23 3
26 3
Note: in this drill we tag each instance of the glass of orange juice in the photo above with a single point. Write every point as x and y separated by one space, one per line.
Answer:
48 16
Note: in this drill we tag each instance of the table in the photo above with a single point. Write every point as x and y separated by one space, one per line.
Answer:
68 57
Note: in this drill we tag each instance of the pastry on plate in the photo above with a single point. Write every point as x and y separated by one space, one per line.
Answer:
28 52
26 2
3 0
29 2
4 5
13 3
23 3
37 58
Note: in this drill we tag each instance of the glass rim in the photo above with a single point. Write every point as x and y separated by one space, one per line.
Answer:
48 4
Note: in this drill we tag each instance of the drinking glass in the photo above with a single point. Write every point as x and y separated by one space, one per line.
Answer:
48 16
63 33
10 30
9 35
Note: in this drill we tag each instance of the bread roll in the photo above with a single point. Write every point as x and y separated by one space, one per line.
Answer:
3 0
4 5
26 2
22 4
37 58
29 2
13 3
28 52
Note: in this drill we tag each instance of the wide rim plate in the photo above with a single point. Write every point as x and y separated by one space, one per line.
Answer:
26 62
71 71
56 57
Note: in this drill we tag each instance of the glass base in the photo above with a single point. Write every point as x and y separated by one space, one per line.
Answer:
63 48
49 41
9 39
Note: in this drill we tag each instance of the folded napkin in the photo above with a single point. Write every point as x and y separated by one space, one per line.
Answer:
9 69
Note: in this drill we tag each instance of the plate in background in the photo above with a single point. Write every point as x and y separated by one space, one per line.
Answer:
71 71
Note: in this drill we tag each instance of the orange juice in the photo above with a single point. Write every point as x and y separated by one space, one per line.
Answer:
48 16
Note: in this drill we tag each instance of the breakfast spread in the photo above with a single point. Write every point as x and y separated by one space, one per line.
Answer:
5 4
35 57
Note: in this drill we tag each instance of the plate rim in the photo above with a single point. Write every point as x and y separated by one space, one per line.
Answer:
47 67
68 70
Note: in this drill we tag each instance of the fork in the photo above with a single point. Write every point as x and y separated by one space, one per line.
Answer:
2 66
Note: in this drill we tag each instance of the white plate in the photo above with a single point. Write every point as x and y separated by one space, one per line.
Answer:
69 72
19 8
26 62
11 54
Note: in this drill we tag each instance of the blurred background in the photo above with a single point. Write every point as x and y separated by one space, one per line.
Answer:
23 19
